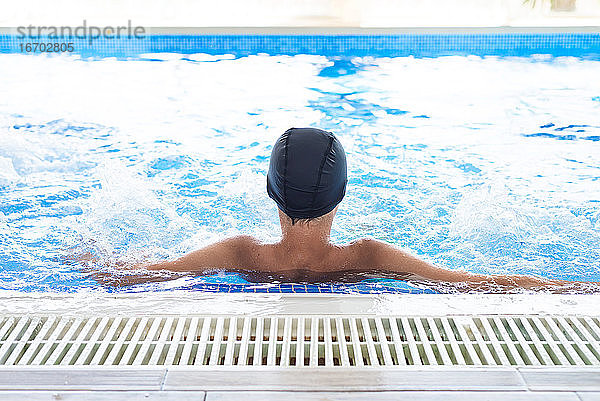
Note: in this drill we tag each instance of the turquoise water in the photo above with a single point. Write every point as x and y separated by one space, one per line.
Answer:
489 164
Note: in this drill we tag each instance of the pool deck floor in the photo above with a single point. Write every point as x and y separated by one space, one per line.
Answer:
160 383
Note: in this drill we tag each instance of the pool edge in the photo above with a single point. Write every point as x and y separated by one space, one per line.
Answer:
242 304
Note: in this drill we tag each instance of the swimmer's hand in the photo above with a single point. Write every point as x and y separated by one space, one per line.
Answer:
116 273
128 278
124 274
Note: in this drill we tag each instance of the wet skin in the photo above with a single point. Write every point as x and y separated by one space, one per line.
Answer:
305 254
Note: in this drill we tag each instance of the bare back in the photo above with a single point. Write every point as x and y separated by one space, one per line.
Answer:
294 262
295 265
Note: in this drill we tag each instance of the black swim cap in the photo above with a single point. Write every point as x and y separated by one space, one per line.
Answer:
307 173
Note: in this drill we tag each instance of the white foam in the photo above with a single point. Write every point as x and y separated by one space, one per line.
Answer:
8 174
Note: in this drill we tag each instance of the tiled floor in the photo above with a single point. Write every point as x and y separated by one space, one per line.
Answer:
156 383
296 396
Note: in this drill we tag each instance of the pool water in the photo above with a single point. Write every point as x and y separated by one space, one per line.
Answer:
486 164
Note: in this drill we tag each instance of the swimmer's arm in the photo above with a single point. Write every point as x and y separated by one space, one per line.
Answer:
224 254
389 258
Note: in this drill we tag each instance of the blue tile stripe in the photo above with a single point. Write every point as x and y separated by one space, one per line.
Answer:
415 44
294 288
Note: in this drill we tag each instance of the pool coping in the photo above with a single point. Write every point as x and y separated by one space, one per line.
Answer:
242 304
247 380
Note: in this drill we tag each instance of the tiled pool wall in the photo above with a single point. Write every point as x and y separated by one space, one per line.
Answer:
296 288
417 44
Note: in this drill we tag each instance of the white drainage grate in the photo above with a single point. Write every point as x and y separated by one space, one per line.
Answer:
300 340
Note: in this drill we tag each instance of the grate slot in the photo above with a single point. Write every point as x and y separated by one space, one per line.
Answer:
216 338
286 342
328 340
507 340
52 336
370 344
452 338
7 326
161 337
13 333
528 348
258 340
190 339
175 339
471 356
437 337
201 348
88 350
356 344
63 342
567 345
136 338
300 345
146 341
191 347
383 339
591 327
413 353
397 341
542 349
551 344
343 346
592 343
122 334
230 344
271 355
34 349
485 353
425 343
104 343
244 343
23 341
77 348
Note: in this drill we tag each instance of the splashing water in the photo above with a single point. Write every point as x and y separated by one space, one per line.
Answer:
483 164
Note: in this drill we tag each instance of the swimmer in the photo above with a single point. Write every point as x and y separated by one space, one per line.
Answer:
307 180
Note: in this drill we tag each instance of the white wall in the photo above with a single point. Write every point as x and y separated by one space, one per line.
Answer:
256 13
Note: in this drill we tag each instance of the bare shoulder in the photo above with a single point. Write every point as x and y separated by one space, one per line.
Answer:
369 245
365 251
374 254
241 243
229 253
249 252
